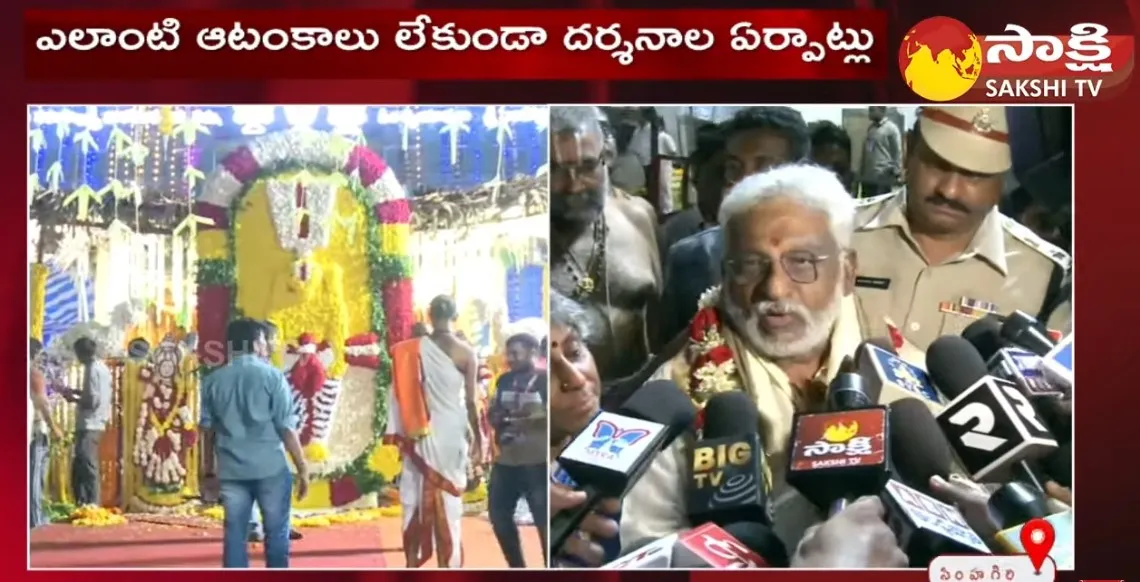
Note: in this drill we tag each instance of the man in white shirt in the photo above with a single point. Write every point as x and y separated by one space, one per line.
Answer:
640 149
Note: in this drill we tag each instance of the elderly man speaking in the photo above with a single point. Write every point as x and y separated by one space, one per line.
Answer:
778 330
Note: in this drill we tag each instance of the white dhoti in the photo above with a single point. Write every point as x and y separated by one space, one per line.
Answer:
427 418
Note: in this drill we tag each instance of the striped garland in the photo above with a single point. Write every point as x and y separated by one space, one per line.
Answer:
374 184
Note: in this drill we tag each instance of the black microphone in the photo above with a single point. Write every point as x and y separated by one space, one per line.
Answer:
729 480
840 455
1020 366
1023 330
738 546
989 422
762 540
613 451
1015 503
925 526
1016 506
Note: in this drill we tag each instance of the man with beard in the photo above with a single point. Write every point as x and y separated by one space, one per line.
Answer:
518 415
603 242
938 254
757 139
784 318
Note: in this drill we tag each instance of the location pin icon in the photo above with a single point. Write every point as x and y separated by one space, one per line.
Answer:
1037 537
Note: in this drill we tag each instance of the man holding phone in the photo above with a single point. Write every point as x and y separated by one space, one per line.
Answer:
518 416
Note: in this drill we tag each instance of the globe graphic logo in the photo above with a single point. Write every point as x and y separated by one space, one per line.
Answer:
940 59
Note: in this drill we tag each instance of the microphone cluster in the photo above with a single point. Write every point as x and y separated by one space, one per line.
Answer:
990 404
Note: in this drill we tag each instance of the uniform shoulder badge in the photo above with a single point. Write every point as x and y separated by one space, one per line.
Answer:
867 209
874 200
1026 236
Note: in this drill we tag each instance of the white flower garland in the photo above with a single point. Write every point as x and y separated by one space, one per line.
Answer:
320 198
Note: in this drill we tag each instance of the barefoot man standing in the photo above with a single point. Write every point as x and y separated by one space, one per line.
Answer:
432 414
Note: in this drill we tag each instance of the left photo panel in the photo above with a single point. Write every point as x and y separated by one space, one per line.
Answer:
287 336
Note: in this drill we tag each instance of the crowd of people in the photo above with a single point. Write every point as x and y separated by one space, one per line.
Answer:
793 259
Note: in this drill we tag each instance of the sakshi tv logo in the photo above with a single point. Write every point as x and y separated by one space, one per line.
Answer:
941 59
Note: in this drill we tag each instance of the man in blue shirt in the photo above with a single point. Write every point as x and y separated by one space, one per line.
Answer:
247 405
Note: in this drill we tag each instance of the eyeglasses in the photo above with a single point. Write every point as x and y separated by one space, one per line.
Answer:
801 266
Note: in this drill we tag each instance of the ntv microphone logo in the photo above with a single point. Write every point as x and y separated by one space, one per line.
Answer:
609 440
942 60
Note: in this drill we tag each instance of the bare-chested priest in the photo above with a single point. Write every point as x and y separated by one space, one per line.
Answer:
603 242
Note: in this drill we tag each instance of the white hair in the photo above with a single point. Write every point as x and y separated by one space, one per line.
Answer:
813 186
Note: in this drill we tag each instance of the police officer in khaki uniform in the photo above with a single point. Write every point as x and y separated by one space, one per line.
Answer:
937 255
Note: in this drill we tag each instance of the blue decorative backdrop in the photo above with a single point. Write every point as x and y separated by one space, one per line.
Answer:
61 303
425 164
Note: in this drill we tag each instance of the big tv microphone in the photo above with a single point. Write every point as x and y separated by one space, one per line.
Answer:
737 546
894 378
989 422
840 455
729 480
925 527
613 451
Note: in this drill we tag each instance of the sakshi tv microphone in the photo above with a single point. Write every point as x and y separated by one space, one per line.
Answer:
1023 330
840 455
615 449
730 482
989 422
894 378
925 527
740 546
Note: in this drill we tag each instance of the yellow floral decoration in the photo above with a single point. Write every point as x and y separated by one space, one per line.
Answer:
335 302
316 452
385 461
37 299
92 516
394 239
212 244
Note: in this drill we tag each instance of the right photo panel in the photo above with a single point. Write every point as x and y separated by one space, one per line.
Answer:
809 336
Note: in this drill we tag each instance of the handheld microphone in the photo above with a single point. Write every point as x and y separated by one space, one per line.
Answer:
1015 503
841 454
708 546
1020 366
729 480
925 527
1023 330
989 422
614 450
894 378
1058 363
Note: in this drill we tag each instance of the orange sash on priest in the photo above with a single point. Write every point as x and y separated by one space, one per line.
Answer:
427 419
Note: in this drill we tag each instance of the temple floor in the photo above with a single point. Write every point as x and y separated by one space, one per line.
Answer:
156 542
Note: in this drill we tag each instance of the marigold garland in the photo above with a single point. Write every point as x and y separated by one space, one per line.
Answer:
38 299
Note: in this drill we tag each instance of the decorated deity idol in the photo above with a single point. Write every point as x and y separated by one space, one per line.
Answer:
309 231
315 395
165 430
